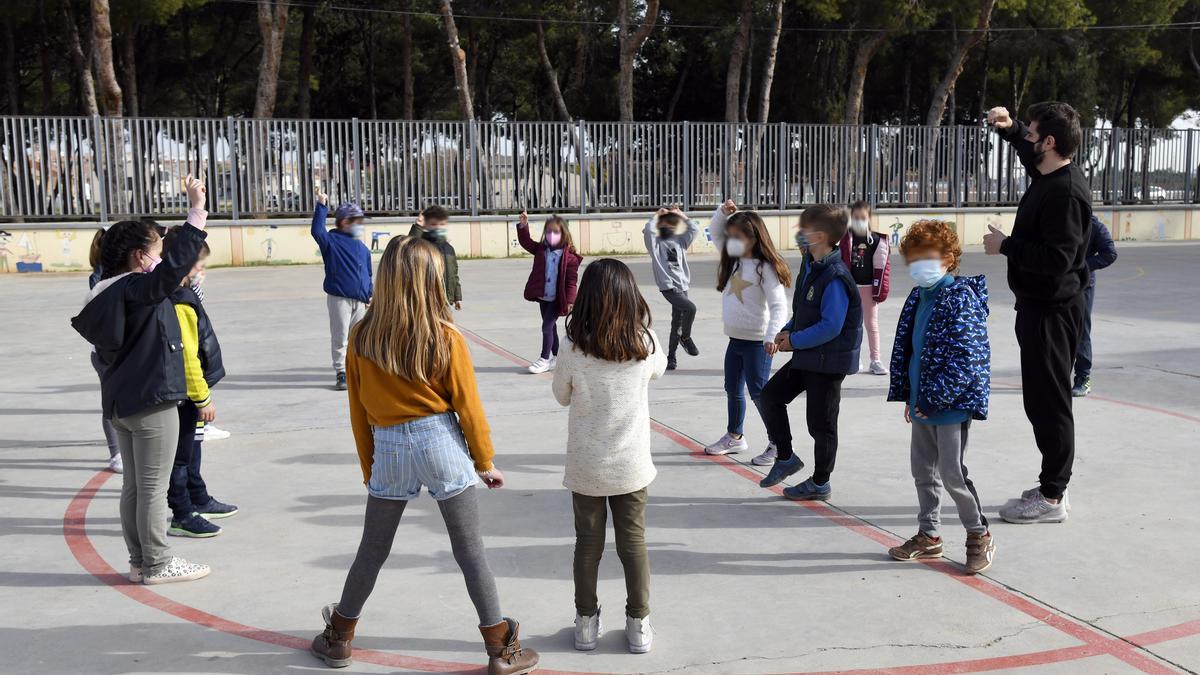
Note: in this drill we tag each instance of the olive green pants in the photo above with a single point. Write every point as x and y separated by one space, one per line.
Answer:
629 524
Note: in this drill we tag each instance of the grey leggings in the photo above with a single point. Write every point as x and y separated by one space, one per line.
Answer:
461 514
110 433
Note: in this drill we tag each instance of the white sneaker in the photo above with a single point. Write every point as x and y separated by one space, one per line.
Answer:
1036 509
176 569
553 362
212 433
727 445
878 369
767 458
1066 498
639 633
587 631
115 464
135 574
539 366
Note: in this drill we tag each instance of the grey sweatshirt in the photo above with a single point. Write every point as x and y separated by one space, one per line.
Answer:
668 257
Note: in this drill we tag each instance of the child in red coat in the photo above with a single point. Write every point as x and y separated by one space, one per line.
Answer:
552 281
868 258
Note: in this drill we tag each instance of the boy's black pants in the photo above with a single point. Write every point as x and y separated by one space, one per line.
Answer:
187 491
821 412
1049 341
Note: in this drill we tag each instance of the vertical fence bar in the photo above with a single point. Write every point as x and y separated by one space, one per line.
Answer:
581 154
781 181
101 158
1188 169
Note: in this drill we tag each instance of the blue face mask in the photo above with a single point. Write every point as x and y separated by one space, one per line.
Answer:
802 240
357 231
926 272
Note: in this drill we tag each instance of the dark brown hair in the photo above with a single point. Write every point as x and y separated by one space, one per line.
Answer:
670 220
173 235
96 249
1060 121
435 213
936 235
827 218
568 242
611 319
860 204
122 239
761 248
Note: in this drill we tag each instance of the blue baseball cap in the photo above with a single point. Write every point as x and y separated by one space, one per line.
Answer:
347 211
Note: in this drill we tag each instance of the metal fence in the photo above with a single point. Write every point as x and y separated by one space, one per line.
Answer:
102 168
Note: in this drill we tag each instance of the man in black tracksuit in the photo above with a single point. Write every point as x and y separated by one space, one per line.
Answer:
1047 272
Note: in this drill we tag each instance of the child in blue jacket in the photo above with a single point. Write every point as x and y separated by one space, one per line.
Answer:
347 275
941 370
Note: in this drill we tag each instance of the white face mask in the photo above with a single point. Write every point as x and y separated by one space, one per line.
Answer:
859 226
926 272
736 248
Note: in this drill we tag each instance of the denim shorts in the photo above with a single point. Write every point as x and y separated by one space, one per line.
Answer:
429 452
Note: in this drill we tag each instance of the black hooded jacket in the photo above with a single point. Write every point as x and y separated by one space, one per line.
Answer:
131 321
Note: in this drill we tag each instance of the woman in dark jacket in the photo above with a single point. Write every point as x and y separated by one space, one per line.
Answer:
552 281
131 321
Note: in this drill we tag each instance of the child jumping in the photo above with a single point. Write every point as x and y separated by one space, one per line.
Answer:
192 508
868 258
823 335
431 226
603 376
418 423
941 370
753 278
347 275
552 281
668 258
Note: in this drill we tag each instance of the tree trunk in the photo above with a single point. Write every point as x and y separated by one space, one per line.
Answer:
579 68
683 76
12 91
110 89
459 58
272 26
44 54
858 75
629 42
129 69
737 56
560 105
406 63
304 76
937 107
1192 50
768 77
747 83
80 63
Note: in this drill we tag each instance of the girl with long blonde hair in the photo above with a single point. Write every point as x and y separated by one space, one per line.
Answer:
418 422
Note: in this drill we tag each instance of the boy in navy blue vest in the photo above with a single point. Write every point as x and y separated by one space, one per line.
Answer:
347 275
823 336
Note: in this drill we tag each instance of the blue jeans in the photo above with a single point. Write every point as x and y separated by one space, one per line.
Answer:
747 366
187 490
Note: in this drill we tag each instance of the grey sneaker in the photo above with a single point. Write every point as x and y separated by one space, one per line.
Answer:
587 631
727 445
767 458
135 574
878 369
1036 509
1066 498
639 633
176 570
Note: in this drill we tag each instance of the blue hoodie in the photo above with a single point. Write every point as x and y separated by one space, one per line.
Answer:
347 260
955 360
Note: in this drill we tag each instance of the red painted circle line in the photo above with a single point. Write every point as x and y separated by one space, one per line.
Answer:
1095 642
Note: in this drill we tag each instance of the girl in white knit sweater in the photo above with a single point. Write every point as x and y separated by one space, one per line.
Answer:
753 278
603 376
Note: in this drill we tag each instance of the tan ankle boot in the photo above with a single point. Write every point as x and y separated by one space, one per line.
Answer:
507 657
333 646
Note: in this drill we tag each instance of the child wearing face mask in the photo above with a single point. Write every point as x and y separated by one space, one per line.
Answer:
347 275
668 247
866 255
753 279
431 226
552 281
941 370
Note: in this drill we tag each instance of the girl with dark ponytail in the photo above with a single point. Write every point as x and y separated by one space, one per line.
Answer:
130 321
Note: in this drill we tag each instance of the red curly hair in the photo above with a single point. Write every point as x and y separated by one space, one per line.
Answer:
935 235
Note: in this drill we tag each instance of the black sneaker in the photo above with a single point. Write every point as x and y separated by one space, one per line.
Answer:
671 365
1082 388
689 346
340 385
193 526
216 509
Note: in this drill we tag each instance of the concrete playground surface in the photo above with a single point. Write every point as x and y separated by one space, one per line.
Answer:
743 580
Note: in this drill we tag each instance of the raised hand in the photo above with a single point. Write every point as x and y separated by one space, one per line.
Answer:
729 207
421 220
661 212
523 219
197 194
993 240
999 117
322 198
677 210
